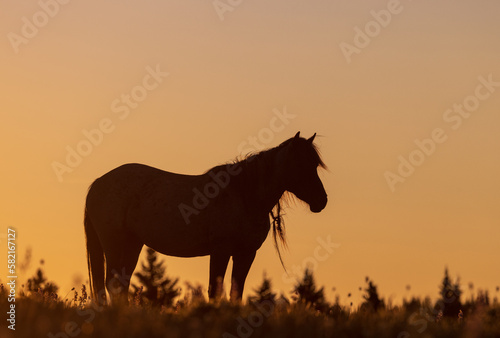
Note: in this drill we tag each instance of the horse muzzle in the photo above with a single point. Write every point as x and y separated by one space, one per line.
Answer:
317 207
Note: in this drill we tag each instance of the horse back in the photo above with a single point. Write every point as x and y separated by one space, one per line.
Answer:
171 213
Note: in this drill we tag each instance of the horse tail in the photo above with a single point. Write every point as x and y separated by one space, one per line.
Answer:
95 258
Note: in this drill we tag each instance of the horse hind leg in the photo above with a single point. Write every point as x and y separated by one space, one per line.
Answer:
120 265
241 265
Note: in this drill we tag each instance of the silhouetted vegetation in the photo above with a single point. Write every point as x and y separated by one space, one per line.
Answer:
309 314
155 287
372 300
39 285
264 292
306 292
450 293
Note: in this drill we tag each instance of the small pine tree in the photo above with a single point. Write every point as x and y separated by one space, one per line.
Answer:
450 296
305 292
39 284
264 292
156 288
372 300
483 298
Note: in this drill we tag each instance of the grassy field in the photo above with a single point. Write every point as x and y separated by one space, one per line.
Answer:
157 308
45 315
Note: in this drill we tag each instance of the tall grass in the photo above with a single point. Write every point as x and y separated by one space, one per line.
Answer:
41 314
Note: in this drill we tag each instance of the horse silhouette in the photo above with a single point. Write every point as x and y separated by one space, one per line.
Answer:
223 213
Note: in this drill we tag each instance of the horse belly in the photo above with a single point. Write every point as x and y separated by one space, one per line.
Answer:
174 239
170 236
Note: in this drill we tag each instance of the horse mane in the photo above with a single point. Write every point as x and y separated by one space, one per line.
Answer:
276 214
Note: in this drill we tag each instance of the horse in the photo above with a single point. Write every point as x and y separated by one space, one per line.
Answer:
224 213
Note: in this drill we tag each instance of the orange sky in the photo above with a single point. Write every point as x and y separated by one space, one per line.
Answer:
370 77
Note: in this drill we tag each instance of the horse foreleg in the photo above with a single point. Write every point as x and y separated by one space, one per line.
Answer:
218 266
241 266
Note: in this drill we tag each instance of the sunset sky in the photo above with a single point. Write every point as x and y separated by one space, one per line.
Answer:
404 95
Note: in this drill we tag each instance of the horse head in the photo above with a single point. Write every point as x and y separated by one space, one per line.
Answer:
300 172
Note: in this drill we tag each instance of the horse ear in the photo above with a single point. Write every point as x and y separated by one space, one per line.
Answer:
311 139
297 135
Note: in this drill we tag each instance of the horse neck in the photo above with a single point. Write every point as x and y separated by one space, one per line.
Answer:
262 180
